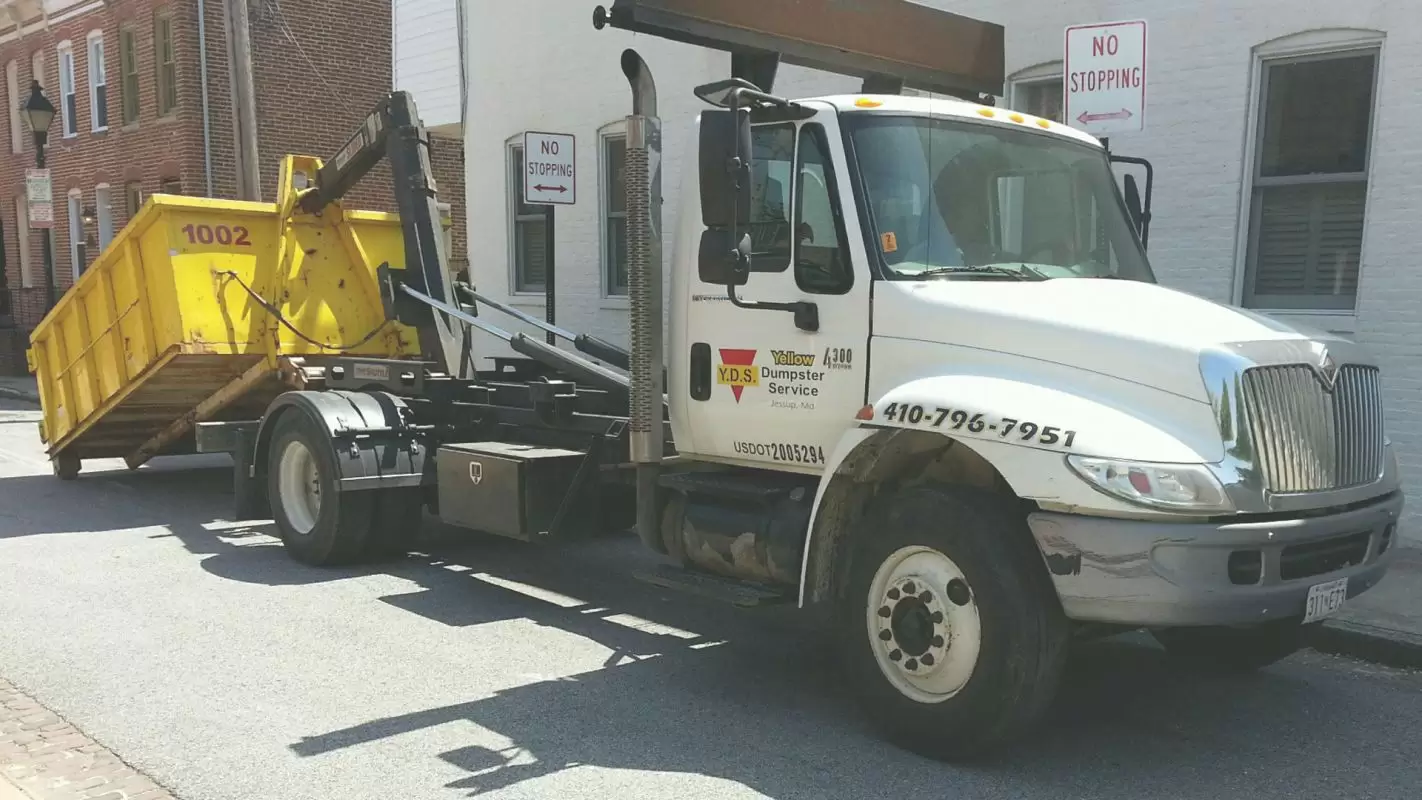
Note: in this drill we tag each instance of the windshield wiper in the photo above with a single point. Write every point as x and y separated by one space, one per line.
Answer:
1026 273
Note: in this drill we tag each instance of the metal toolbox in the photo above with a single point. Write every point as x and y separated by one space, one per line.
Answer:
513 490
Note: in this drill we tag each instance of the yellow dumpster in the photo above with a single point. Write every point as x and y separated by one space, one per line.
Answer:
198 309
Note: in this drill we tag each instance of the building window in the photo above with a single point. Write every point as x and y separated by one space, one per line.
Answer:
1310 181
22 240
103 209
530 232
1041 98
98 82
12 91
37 69
132 198
614 213
166 64
76 232
69 101
128 66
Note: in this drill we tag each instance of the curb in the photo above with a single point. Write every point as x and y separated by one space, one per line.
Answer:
1386 646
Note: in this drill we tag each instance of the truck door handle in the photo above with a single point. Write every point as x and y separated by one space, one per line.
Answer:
700 378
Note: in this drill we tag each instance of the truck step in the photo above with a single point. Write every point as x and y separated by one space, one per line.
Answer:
763 487
726 590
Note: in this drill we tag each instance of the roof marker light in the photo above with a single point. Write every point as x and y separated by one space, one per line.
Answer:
986 112
867 102
1017 118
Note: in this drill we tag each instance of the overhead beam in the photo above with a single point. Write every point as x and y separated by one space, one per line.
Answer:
925 48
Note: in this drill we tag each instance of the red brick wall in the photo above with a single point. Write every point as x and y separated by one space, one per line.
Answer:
310 98
148 152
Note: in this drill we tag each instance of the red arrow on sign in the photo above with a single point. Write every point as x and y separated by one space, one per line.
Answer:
1124 113
558 189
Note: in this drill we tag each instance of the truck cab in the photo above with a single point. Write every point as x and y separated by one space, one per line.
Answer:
942 315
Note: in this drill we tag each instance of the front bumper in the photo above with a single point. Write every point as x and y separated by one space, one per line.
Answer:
1161 574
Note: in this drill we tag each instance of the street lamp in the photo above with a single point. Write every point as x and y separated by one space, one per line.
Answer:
40 113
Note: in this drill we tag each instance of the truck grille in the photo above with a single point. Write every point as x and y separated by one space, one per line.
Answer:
1308 438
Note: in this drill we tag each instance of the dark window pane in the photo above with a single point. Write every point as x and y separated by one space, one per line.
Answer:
1317 116
532 253
617 255
1042 99
101 106
773 148
821 261
1307 242
616 175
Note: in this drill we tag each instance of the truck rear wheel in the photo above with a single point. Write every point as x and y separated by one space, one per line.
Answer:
950 631
1232 650
318 524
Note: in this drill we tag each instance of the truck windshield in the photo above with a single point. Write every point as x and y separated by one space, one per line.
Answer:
965 201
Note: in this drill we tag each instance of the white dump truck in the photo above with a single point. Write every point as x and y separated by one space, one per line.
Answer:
918 377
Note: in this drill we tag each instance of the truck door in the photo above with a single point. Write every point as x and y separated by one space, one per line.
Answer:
771 393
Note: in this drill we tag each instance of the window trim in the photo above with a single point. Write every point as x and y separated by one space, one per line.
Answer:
104 216
97 78
134 94
22 241
1048 72
130 189
17 124
610 132
511 215
66 48
1309 45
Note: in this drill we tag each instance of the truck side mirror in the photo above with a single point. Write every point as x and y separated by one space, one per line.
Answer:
719 260
1133 203
724 161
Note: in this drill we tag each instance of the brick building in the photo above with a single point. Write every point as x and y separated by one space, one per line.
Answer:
134 126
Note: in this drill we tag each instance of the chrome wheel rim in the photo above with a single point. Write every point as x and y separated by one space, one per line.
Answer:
923 624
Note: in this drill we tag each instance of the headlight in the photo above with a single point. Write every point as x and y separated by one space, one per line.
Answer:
1178 487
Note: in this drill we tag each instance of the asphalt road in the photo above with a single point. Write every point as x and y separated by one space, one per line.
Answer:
201 654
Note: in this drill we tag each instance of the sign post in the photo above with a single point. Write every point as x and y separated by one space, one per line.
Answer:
550 179
1105 77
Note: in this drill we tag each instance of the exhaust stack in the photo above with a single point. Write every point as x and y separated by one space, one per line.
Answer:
644 288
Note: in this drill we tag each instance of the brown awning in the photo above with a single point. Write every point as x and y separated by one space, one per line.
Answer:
924 47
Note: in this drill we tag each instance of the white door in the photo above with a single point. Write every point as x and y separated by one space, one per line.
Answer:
766 390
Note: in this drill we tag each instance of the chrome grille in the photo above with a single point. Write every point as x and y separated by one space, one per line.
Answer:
1310 439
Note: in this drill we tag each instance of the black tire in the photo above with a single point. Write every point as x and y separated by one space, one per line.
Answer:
1223 651
342 528
65 466
399 514
1024 634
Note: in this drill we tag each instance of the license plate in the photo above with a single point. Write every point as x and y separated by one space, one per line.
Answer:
1325 599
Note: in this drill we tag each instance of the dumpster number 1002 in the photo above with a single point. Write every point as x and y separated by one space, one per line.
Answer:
222 234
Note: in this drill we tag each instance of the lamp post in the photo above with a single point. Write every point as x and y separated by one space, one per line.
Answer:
40 113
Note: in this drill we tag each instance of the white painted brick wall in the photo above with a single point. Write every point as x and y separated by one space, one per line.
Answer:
426 53
538 64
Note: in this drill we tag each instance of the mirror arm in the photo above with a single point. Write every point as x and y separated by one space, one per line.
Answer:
807 314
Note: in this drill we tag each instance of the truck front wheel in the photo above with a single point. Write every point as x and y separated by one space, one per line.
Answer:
950 631
1232 650
318 524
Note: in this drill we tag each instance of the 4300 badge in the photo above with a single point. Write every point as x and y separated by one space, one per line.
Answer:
958 419
783 451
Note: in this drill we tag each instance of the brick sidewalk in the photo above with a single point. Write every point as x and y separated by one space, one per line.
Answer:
42 757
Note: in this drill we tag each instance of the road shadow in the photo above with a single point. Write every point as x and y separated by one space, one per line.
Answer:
766 714
693 687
